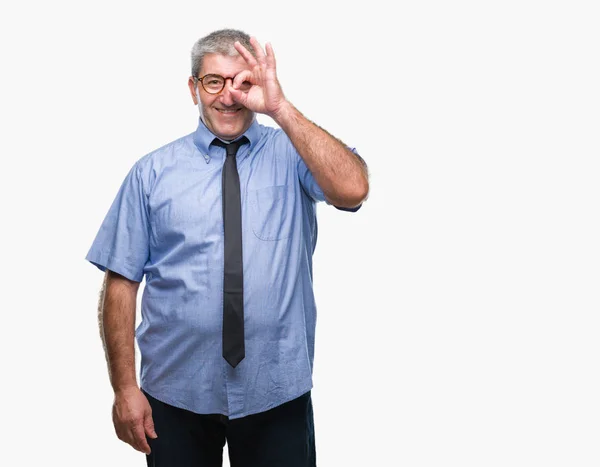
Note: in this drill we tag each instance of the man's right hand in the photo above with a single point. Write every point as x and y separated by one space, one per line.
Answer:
132 417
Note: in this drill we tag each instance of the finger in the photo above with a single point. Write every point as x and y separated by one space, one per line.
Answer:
260 55
242 76
238 96
250 60
139 441
270 56
149 426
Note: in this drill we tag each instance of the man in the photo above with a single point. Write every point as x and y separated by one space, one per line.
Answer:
222 223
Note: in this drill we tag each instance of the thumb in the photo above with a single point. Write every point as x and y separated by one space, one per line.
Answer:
149 426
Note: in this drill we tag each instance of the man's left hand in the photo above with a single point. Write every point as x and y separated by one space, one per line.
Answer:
265 96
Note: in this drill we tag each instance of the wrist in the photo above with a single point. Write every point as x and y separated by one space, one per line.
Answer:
283 114
124 390
125 385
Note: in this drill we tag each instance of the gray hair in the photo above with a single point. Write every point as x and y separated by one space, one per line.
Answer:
218 42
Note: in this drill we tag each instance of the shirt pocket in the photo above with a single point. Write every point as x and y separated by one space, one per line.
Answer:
271 212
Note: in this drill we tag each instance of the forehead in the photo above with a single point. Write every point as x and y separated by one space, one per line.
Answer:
223 65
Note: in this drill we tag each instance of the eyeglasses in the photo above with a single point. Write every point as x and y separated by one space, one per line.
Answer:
214 84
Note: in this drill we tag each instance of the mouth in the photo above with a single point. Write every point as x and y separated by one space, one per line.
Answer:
228 111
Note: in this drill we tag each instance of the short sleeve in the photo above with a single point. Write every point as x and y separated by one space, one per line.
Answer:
122 243
310 185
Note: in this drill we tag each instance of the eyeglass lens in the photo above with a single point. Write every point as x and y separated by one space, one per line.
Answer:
215 83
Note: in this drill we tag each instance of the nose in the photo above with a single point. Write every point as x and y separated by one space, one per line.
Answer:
226 97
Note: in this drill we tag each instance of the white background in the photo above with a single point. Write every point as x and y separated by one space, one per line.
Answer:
458 309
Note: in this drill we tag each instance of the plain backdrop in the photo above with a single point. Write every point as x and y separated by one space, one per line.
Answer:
458 310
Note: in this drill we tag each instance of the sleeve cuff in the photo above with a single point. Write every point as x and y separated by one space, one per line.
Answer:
104 262
354 209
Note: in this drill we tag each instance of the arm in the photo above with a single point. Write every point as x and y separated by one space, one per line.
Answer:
342 176
118 329
132 415
338 171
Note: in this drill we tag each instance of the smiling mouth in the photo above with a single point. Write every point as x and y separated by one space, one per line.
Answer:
228 111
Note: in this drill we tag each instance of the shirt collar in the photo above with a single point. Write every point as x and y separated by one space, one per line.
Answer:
203 137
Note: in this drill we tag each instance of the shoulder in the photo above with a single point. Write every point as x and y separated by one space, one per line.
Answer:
273 141
274 135
149 166
179 147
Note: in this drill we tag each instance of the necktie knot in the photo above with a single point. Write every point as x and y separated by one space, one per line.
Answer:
231 148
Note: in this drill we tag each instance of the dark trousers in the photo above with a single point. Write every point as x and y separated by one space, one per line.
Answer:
281 437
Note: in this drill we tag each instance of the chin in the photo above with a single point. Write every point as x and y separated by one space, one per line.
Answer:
230 131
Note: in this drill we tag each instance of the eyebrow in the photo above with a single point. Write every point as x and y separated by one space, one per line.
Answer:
213 73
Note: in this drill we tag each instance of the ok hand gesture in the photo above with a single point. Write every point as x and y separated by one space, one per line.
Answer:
265 95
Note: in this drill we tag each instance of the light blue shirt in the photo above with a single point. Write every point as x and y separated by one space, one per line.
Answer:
166 223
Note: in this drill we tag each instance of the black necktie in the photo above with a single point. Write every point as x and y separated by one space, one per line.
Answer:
233 283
